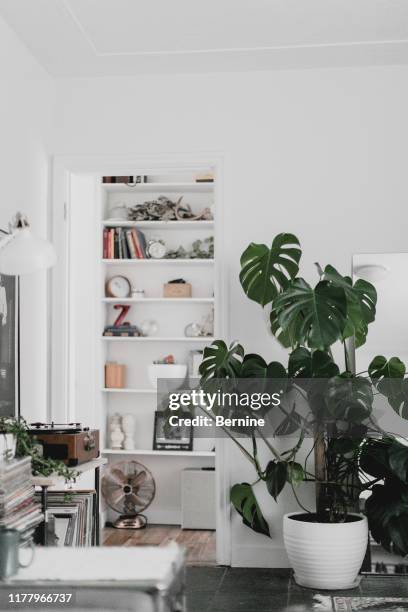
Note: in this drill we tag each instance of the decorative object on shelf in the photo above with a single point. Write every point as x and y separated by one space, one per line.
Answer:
167 371
149 327
205 177
121 327
118 287
168 359
116 435
130 181
164 209
194 361
118 212
128 488
27 446
200 249
207 328
156 249
138 294
136 180
120 319
177 288
193 330
171 438
71 442
128 428
115 375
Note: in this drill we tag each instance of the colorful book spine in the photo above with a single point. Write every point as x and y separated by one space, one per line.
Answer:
131 246
138 250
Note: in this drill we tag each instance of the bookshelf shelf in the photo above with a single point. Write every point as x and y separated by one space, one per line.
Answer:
128 390
158 300
157 262
156 339
164 453
170 225
159 187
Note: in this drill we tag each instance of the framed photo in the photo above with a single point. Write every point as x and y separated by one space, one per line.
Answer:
168 437
9 359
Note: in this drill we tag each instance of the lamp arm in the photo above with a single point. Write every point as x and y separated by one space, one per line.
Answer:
4 232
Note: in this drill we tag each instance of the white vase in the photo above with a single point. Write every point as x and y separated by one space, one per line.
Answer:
116 437
325 555
128 427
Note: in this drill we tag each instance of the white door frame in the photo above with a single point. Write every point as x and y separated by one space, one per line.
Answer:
59 359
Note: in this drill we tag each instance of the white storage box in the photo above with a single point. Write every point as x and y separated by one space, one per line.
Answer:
198 498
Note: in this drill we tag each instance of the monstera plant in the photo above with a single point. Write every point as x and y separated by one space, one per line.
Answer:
324 405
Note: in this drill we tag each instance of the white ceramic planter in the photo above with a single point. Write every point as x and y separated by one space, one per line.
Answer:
166 371
325 555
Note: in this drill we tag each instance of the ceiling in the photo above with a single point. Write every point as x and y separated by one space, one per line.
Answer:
74 38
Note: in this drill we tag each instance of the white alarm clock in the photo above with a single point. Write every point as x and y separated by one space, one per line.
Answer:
156 249
118 287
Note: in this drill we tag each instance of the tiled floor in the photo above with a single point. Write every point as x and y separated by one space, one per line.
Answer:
219 589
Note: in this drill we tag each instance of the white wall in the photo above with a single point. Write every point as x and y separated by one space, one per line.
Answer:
321 153
26 104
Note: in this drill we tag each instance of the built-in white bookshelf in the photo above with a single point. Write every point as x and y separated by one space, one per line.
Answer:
172 315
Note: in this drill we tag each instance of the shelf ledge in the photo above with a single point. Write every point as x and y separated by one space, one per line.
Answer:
164 453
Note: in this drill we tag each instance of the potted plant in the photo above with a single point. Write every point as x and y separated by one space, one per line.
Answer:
325 404
26 445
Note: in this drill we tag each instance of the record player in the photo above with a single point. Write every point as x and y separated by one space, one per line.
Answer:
70 443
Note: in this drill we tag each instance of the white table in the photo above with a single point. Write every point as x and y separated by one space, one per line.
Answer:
142 578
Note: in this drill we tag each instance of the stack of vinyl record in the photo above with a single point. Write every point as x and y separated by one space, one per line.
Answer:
18 508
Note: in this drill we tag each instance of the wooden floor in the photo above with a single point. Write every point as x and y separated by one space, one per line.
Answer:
199 545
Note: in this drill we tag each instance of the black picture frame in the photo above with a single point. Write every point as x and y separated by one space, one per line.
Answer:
9 346
171 438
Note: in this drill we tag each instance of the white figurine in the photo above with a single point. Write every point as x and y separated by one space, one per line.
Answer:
128 426
115 432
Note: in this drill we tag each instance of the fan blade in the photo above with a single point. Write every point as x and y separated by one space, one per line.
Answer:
118 476
137 480
134 500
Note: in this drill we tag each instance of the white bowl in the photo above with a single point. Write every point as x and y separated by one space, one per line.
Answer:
167 371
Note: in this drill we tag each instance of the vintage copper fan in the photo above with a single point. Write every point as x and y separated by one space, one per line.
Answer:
128 488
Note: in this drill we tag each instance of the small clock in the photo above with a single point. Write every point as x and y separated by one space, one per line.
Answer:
118 287
156 249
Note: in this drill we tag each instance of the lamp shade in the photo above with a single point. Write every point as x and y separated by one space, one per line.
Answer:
23 253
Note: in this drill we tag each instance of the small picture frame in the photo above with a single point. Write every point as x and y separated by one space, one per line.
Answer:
170 438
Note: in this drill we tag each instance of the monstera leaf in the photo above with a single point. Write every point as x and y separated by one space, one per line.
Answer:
314 317
220 361
350 398
361 302
307 364
244 501
388 377
387 514
266 271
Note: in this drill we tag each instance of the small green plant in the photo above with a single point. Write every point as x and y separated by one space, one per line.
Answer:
26 445
351 452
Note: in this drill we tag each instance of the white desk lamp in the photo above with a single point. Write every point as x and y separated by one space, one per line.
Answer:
23 253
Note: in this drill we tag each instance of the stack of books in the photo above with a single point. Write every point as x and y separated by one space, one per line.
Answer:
122 243
18 508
